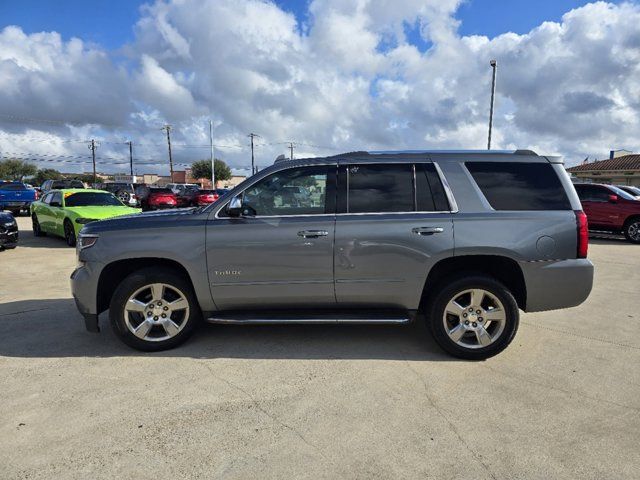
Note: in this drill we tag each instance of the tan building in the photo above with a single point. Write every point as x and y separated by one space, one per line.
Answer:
616 170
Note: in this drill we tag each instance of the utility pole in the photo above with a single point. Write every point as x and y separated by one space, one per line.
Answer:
291 150
168 129
253 163
131 158
494 65
93 147
213 160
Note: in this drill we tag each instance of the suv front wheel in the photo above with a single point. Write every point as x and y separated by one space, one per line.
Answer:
474 317
154 309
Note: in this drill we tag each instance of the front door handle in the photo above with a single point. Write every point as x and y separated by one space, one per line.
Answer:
427 230
313 233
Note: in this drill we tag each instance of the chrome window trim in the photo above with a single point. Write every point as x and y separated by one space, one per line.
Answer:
452 202
453 205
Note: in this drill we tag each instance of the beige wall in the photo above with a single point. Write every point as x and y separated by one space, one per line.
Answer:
615 178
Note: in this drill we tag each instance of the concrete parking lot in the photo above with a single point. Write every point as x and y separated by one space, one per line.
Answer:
563 401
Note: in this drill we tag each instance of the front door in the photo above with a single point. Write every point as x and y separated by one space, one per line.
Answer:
279 253
394 226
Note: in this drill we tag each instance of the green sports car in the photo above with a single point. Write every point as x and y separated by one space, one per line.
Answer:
65 212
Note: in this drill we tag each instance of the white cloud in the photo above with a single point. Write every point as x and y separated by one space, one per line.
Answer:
347 79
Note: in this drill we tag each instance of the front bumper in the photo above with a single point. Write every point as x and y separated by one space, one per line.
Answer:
557 284
84 287
8 237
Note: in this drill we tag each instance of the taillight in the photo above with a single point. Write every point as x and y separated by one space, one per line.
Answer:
37 195
216 197
583 234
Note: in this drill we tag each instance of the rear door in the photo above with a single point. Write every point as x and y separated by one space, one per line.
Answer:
595 202
41 210
56 214
394 223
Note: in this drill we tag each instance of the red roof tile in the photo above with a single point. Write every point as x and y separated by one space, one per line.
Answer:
626 162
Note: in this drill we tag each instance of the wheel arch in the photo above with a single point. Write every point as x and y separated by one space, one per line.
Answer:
113 273
504 269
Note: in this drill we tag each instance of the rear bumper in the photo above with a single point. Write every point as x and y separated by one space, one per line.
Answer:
557 284
16 203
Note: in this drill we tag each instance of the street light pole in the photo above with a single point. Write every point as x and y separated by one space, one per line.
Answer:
494 65
213 161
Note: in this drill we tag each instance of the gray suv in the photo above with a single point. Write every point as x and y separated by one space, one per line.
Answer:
462 240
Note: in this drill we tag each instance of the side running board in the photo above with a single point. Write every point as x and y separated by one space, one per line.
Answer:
274 318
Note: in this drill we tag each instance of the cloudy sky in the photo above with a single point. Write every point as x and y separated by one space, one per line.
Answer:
329 75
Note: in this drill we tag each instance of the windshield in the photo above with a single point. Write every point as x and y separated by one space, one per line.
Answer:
91 199
622 193
632 190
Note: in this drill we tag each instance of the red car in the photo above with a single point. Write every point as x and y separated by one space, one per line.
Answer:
611 209
159 198
199 198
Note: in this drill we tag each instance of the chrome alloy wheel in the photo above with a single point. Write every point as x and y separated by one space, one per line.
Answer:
156 312
634 231
474 318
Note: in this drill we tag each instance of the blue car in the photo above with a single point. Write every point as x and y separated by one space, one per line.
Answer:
16 197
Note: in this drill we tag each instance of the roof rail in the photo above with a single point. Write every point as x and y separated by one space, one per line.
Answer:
525 152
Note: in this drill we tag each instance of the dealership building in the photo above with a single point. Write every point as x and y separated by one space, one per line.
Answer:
618 169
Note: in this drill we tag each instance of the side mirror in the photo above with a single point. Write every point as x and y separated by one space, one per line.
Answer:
234 209
613 198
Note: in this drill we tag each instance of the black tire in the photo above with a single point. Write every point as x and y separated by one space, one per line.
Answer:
69 233
139 280
449 291
631 230
35 225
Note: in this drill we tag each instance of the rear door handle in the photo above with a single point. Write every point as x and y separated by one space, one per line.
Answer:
427 230
313 233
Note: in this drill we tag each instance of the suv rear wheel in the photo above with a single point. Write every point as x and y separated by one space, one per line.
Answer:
154 309
632 230
474 317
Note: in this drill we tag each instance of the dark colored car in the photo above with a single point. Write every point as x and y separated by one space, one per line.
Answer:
8 231
611 209
16 197
186 196
60 185
125 192
156 198
635 191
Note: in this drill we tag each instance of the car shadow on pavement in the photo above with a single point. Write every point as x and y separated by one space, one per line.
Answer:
54 328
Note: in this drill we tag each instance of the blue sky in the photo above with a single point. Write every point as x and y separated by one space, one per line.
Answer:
110 22
341 82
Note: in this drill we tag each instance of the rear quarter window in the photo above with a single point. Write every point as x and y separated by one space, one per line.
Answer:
519 186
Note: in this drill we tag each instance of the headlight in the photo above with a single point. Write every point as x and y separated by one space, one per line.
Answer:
83 221
86 241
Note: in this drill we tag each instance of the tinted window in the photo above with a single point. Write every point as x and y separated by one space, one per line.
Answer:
593 193
380 188
164 191
519 186
47 198
84 199
57 197
300 191
430 195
